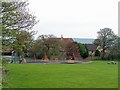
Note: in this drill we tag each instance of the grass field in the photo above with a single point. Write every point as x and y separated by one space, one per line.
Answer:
94 75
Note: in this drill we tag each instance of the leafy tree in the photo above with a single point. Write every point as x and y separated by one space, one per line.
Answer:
23 42
83 50
86 54
16 21
46 44
105 40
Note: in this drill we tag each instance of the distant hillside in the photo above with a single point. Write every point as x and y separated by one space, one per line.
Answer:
84 40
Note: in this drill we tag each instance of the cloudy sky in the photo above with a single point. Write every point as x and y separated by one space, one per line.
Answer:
74 18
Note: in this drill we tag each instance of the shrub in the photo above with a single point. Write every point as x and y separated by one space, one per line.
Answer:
97 53
83 51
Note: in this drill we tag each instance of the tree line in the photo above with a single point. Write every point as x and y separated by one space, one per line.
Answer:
17 35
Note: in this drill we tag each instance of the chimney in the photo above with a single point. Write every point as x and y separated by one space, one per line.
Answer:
61 37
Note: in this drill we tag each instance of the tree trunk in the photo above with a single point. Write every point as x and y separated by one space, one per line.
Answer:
35 57
103 54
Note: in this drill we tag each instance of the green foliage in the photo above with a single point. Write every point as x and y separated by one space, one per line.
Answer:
5 62
97 53
83 50
46 44
40 54
115 49
16 23
23 42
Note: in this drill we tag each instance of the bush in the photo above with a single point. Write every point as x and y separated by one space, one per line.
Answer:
84 55
5 62
97 53
113 57
83 51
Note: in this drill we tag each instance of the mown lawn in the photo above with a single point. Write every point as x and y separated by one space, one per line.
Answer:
97 74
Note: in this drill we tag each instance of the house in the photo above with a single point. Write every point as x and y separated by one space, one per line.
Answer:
91 48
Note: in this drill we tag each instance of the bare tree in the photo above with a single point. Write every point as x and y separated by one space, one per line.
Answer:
104 39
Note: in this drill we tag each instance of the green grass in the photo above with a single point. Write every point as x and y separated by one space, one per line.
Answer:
94 75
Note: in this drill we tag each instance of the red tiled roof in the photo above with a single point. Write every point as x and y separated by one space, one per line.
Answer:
66 40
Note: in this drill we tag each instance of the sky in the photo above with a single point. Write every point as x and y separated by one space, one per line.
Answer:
74 18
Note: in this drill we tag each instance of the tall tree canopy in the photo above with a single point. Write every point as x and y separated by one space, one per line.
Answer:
16 21
83 50
46 44
105 39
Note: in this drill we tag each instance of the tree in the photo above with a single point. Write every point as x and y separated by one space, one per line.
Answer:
23 42
97 53
105 40
115 49
83 50
46 45
16 21
72 50
15 16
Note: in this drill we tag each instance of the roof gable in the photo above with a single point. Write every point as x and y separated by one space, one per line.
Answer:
91 47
